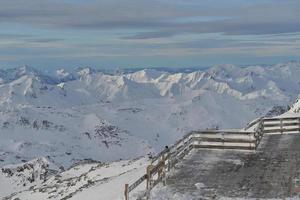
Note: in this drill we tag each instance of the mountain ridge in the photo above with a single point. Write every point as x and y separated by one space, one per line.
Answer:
149 108
49 122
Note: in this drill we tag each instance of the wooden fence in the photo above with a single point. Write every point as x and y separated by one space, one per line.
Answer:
168 158
212 139
281 125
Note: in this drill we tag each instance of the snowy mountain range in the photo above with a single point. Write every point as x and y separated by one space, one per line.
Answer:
53 120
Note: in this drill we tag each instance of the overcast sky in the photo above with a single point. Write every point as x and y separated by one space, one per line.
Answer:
148 33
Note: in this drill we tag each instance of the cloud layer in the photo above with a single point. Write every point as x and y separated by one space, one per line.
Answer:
113 29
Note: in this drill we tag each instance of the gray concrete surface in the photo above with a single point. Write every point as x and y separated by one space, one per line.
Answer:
271 172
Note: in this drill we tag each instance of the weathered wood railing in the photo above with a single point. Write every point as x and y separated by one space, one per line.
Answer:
225 140
167 159
161 163
253 123
275 125
281 125
216 139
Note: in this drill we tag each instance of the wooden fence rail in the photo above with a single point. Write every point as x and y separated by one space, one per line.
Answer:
281 125
221 139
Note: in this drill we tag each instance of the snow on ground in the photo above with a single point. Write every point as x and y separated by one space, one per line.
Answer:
91 180
15 178
70 116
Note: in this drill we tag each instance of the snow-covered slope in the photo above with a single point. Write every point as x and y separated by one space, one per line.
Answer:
69 116
92 180
15 178
295 108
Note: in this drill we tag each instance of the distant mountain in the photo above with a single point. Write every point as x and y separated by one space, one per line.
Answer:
51 120
66 116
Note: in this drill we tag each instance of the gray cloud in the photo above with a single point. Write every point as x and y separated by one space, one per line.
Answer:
13 36
147 35
44 40
160 18
64 29
101 14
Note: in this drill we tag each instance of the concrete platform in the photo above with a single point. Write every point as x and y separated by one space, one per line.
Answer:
271 172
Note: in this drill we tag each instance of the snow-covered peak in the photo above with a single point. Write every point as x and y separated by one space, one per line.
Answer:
98 117
295 108
85 71
129 102
15 73
62 73
24 70
146 75
224 71
61 85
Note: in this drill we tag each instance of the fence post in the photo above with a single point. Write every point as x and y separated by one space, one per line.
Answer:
149 181
223 140
149 178
126 192
262 127
256 141
164 170
281 127
169 163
